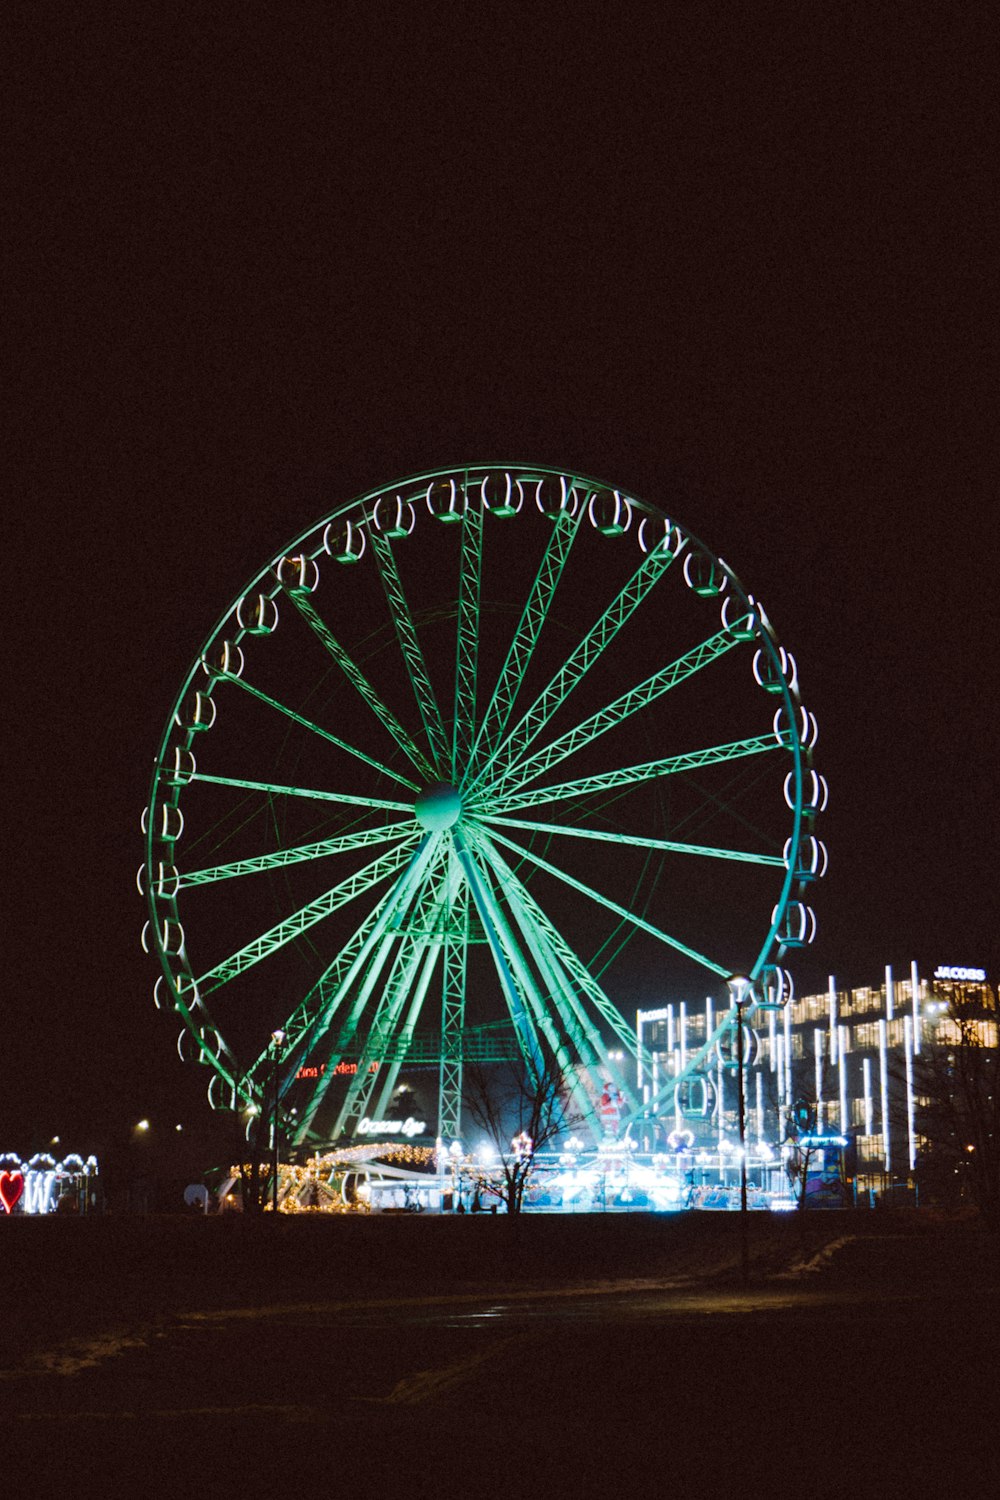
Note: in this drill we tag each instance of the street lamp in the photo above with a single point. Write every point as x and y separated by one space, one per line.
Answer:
741 996
455 1153
277 1037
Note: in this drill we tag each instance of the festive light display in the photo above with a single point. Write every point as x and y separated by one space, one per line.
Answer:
40 1184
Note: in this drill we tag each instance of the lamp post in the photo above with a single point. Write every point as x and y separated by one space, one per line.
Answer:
740 992
455 1153
277 1037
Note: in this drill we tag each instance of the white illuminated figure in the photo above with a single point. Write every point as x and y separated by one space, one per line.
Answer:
33 1187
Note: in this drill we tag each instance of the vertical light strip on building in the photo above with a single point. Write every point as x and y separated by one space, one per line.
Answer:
671 1041
818 1049
788 1054
883 1074
866 1073
842 1076
760 1106
709 1021
908 1055
772 1033
890 993
682 1032
915 995
722 1102
782 1101
677 1093
832 997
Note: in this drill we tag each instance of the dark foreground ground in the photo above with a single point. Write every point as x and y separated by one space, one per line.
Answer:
470 1356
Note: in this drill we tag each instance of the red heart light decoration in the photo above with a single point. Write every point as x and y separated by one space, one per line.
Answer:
11 1188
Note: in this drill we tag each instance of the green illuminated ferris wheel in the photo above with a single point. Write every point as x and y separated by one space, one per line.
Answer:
477 766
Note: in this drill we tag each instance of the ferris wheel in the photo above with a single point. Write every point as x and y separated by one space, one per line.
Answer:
478 765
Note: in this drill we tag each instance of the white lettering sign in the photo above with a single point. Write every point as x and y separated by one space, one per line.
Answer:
408 1127
33 1187
950 971
39 1192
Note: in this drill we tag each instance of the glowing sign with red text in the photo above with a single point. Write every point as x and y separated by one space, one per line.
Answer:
317 1070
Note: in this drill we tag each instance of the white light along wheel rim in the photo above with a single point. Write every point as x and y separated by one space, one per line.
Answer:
477 766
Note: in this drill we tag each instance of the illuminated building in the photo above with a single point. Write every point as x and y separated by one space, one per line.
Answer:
851 1061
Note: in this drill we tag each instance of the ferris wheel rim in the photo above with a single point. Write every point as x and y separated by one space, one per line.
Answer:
186 999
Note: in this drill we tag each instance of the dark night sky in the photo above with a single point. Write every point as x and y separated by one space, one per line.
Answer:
265 258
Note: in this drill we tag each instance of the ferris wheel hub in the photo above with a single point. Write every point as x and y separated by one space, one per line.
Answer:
439 807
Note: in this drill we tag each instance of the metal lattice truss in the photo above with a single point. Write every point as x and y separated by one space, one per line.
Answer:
433 843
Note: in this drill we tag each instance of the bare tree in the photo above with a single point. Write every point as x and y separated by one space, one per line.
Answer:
521 1111
799 1137
251 1143
255 1180
804 1149
956 1079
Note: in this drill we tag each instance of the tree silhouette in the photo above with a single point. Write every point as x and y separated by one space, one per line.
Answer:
521 1111
956 1078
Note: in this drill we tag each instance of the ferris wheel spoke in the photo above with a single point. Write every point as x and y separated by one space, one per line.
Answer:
467 641
325 734
366 967
300 1024
618 712
307 916
385 928
581 975
387 1041
434 946
500 939
663 1099
669 846
629 775
564 987
720 799
360 682
379 1046
384 834
367 962
582 658
274 789
454 980
564 530
615 906
534 1006
409 645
